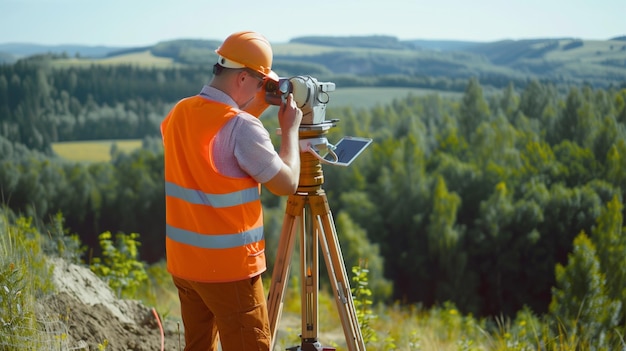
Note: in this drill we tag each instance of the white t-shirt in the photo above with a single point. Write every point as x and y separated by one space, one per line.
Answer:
243 146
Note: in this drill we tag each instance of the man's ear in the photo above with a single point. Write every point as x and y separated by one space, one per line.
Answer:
241 76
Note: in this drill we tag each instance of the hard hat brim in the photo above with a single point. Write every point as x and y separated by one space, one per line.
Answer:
273 76
226 63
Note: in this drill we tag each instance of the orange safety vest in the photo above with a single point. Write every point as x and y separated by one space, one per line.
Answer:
214 223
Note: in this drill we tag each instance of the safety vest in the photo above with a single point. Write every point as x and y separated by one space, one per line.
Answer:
214 223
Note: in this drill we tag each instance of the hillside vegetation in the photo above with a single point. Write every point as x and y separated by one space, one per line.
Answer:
492 202
52 301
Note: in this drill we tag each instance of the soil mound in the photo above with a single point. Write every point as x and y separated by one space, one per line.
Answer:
86 313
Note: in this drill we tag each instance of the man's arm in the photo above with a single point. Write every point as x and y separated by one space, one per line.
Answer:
285 182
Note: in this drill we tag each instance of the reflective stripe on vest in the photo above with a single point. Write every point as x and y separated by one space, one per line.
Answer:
198 197
225 241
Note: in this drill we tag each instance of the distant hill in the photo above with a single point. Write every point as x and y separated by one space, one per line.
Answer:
563 61
12 52
387 42
560 60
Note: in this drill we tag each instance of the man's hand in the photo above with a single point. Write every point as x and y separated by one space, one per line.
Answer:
286 181
289 115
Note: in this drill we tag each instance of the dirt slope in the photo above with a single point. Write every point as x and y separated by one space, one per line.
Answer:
86 313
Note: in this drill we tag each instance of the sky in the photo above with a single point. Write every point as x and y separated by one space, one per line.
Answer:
131 23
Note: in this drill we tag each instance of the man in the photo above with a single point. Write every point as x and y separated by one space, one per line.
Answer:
216 157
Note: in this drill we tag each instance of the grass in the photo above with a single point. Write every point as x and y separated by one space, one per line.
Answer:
24 277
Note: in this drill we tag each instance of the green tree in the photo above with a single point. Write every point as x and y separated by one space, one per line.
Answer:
445 243
494 148
620 106
567 211
448 139
539 162
607 133
616 164
568 120
357 249
579 165
534 99
398 185
609 235
508 102
579 299
495 239
473 110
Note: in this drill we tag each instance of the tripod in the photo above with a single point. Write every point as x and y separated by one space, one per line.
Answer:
308 212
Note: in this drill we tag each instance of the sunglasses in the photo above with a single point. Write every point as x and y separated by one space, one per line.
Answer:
257 76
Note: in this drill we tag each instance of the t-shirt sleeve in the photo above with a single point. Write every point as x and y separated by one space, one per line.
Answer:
254 150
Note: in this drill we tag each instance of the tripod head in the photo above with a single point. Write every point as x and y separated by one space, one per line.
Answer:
312 140
311 96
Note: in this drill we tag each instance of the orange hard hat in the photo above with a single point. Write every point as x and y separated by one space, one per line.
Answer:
247 49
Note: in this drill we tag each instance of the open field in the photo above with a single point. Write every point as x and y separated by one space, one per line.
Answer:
142 59
92 151
366 98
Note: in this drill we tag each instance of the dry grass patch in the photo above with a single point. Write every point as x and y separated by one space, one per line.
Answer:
93 151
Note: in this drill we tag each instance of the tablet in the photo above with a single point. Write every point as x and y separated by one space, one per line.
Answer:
347 149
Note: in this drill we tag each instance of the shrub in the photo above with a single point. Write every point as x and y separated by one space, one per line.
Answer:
119 266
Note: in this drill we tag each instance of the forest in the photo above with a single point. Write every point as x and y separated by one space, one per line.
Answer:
496 202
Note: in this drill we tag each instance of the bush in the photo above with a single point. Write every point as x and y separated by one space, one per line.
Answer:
119 266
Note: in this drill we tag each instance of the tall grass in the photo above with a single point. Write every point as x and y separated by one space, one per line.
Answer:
24 277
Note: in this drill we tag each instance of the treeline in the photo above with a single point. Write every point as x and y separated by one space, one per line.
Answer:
41 103
474 201
124 195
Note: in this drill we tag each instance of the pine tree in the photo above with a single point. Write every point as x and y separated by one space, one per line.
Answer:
445 242
608 235
579 300
474 109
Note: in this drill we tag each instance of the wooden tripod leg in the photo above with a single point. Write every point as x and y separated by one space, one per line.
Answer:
280 274
337 273
309 271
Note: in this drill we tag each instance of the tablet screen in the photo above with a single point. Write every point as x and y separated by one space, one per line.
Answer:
347 149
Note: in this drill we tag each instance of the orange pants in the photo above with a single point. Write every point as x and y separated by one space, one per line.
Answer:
235 310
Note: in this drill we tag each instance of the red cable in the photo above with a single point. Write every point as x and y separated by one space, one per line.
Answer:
156 315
